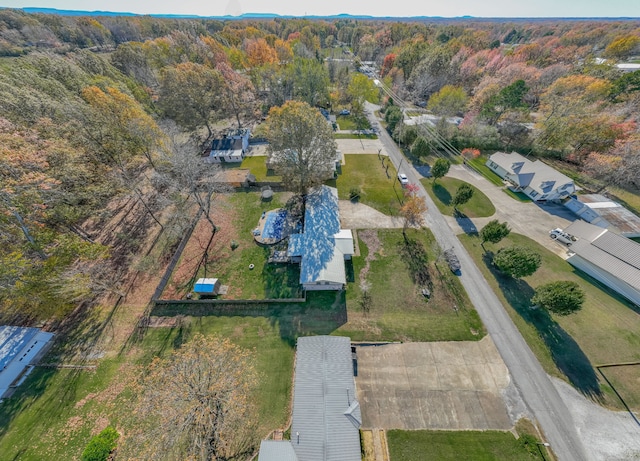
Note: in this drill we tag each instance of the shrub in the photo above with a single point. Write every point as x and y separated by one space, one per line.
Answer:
354 194
517 261
562 297
101 446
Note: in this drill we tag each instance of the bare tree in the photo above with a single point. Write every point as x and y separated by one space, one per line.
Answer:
197 404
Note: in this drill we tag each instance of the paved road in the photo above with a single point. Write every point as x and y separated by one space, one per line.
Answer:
534 384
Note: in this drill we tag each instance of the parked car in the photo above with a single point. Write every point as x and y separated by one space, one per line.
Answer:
345 112
403 179
560 236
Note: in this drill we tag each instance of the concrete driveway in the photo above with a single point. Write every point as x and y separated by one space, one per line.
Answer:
534 221
360 146
440 385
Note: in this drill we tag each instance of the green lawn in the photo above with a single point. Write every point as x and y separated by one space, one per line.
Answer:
479 165
347 122
354 136
55 412
378 185
458 446
265 280
398 310
443 190
606 330
258 167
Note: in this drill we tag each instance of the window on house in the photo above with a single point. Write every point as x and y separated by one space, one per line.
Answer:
533 193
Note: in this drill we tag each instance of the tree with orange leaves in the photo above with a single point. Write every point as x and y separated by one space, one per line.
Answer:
412 209
259 52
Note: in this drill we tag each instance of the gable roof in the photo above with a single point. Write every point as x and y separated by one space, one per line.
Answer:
226 146
607 250
322 244
537 175
326 414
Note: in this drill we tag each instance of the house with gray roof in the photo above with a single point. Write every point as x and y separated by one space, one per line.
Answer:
608 257
535 179
326 415
603 212
322 247
19 348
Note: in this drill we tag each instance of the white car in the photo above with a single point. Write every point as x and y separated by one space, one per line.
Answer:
403 179
561 236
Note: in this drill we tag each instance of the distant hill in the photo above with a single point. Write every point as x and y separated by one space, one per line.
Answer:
273 15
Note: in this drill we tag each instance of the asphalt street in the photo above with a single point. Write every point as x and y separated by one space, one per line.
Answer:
534 384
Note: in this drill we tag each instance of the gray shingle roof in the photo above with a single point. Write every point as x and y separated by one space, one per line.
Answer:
537 175
324 412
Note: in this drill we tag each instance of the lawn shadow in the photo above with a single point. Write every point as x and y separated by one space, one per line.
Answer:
465 223
441 193
321 314
565 352
281 280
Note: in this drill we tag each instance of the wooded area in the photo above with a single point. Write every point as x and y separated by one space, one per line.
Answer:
103 117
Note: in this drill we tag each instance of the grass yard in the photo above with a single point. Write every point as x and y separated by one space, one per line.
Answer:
459 446
354 136
378 185
258 167
347 122
479 165
443 190
606 330
236 215
398 310
55 412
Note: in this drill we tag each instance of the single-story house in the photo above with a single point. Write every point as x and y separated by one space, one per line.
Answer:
19 348
207 286
606 213
608 257
231 148
326 416
535 179
322 247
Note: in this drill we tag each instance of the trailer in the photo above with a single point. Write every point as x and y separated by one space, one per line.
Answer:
452 260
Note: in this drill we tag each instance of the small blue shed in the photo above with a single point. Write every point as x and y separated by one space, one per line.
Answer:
207 287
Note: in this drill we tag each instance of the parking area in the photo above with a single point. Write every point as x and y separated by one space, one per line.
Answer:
440 385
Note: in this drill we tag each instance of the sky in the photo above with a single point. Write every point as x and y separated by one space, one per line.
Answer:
393 8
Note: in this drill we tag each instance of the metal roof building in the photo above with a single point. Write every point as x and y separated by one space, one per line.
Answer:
322 247
604 212
19 347
608 257
326 415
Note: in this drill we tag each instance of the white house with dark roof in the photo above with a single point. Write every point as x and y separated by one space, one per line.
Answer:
322 247
231 148
326 415
535 179
19 348
608 257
